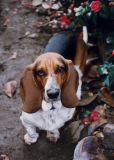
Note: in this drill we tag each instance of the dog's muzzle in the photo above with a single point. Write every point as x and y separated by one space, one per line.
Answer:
52 90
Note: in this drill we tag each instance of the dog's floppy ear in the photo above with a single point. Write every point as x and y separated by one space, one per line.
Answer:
29 91
68 96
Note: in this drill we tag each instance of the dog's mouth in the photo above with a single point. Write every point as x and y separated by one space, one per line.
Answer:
52 108
51 105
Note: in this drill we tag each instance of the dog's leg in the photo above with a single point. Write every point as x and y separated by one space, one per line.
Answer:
53 136
31 136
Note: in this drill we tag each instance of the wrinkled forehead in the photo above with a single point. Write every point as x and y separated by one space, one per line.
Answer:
49 61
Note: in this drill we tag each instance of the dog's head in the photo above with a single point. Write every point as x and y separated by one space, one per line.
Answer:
51 78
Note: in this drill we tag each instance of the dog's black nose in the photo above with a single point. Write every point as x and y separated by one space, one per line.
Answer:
53 94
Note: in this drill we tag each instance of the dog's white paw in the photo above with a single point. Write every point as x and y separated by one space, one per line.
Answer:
30 139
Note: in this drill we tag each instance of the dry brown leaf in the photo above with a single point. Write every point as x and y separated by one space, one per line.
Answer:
46 5
37 2
106 96
98 134
93 73
14 56
33 35
10 88
91 68
88 148
75 129
96 124
87 100
108 128
4 157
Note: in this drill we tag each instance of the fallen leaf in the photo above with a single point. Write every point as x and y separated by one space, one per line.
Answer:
33 35
87 100
108 128
56 6
108 141
93 72
98 134
95 124
46 5
91 69
4 157
37 2
27 33
6 20
90 94
28 5
14 56
106 96
10 88
88 148
16 10
75 129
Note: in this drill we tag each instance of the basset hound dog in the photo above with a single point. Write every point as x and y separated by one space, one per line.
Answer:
50 87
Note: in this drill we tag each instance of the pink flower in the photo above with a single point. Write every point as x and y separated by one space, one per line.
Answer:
111 4
94 116
96 6
113 53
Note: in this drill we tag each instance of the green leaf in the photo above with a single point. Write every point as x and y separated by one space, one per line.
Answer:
102 70
73 24
86 113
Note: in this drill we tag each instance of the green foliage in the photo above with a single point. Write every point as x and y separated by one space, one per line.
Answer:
107 73
87 11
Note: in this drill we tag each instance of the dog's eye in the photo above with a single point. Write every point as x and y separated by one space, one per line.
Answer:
40 73
60 69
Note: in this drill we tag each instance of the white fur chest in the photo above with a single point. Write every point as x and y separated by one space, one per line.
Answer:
48 120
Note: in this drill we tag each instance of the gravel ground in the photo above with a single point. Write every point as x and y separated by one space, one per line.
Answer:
12 39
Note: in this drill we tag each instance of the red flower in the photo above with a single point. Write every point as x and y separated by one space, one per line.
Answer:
96 6
64 21
94 116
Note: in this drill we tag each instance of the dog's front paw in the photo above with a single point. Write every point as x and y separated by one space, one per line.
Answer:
52 137
30 139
